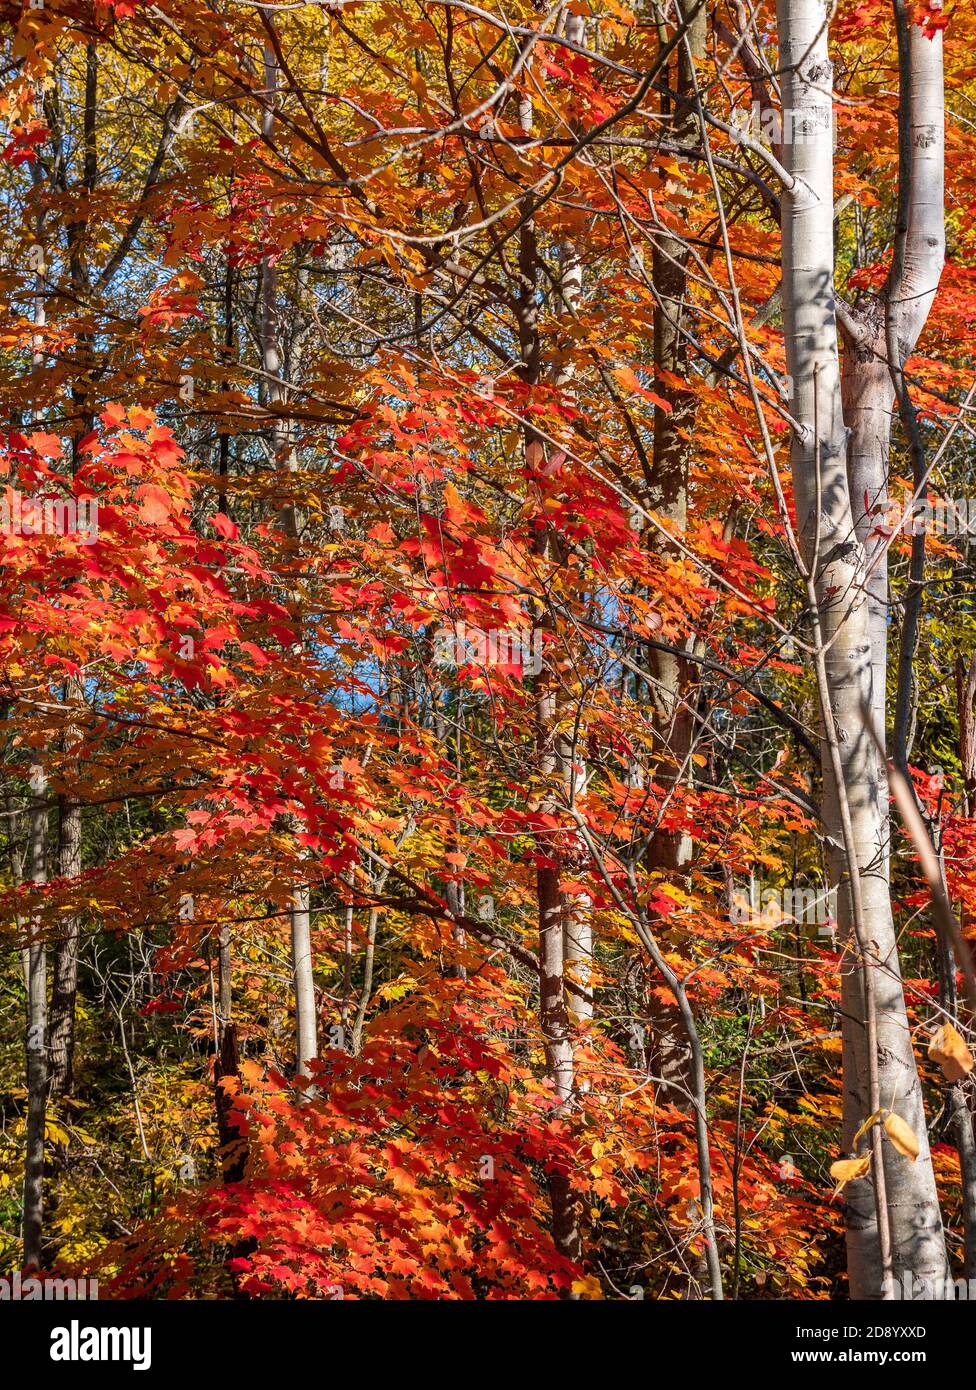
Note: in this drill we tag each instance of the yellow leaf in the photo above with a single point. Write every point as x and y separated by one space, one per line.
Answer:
587 1287
845 1170
948 1048
901 1135
396 989
871 1120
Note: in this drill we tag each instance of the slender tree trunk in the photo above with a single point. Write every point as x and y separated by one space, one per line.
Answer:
853 812
306 1026
962 1119
35 953
672 449
64 988
867 401
577 922
670 851
306 1031
553 1013
880 334
35 974
958 1114
225 995
356 1041
916 269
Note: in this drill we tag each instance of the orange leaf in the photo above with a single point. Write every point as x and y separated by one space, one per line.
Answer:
948 1048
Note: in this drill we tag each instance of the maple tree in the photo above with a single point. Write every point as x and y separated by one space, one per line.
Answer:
454 530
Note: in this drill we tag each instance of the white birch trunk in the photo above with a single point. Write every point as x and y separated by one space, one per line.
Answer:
826 525
35 976
306 1025
578 920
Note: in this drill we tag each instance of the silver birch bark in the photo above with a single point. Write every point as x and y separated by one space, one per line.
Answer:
853 810
671 458
578 919
35 977
916 268
35 953
306 1029
895 319
553 1012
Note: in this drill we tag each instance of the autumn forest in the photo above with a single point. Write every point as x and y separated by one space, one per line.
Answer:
488 649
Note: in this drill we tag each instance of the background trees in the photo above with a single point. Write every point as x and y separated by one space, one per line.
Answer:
486 415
